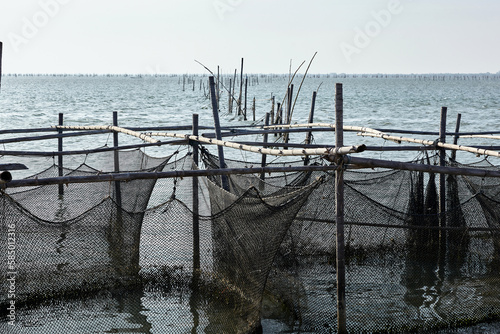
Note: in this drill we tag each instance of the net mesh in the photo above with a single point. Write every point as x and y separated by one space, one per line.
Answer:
262 249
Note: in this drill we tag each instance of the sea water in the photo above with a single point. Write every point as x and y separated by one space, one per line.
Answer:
149 101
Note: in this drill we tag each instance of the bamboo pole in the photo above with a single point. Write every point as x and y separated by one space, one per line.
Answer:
117 225
272 110
116 160
310 120
253 110
300 86
113 128
196 212
241 88
215 111
230 101
349 163
455 138
339 214
233 89
217 85
86 152
326 151
264 156
398 139
480 136
60 157
442 163
246 90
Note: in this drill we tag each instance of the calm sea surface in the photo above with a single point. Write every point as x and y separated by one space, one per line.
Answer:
382 103
386 103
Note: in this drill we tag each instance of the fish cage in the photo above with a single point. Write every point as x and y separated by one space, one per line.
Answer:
323 241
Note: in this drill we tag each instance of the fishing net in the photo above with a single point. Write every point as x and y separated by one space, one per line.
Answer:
264 248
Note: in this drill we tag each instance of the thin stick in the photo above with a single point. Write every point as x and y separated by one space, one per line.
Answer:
300 86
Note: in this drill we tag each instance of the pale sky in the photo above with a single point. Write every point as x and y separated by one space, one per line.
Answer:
166 36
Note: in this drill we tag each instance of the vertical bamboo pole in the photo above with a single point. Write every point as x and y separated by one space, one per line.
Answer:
246 90
233 90
288 112
217 85
339 213
310 120
442 162
116 161
117 224
264 156
253 109
218 135
230 102
60 149
272 110
455 138
289 105
241 88
196 211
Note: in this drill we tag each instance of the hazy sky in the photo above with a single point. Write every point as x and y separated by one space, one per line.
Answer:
166 36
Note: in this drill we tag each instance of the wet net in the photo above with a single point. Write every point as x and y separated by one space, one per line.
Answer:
261 251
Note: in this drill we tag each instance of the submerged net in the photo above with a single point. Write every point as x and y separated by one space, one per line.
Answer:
266 246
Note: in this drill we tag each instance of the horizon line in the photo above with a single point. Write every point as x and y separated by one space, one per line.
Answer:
260 73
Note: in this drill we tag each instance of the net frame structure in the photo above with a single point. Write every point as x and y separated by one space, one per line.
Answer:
299 206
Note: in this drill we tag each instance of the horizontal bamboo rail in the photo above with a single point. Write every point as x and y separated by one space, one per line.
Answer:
112 128
276 152
399 139
480 136
347 162
85 152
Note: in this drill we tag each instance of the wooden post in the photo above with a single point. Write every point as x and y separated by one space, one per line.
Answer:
217 85
289 105
339 213
241 88
246 90
272 110
1 51
253 110
279 117
310 120
288 112
196 212
264 156
455 138
60 149
116 161
442 163
230 102
218 135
